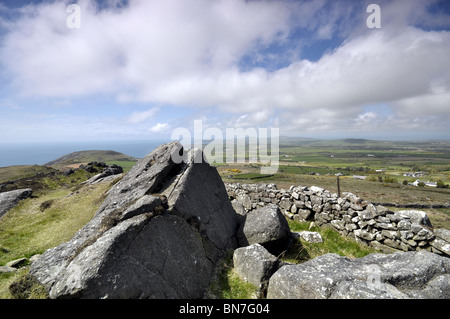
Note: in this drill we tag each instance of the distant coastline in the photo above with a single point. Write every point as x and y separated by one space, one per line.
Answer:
41 153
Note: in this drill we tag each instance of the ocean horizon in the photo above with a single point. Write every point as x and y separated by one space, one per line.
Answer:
39 153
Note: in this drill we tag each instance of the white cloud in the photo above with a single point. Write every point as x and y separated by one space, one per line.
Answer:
139 117
147 44
160 127
9 104
366 117
187 54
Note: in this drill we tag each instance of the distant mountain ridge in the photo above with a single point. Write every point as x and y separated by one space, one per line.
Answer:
89 156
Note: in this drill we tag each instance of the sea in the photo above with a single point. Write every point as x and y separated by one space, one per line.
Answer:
39 153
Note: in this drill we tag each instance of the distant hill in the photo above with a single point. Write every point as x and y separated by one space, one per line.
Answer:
305 141
90 156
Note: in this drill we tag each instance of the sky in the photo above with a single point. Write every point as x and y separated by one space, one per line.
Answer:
139 69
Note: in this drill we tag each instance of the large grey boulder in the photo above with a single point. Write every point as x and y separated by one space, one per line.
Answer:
400 275
10 199
255 265
266 226
159 234
199 196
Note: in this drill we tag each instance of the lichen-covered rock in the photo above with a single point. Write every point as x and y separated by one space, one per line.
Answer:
159 234
255 265
266 226
400 275
441 244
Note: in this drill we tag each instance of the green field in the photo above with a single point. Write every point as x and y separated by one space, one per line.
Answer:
308 162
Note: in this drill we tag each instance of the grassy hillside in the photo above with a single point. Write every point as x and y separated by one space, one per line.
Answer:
90 156
59 207
43 222
10 173
42 183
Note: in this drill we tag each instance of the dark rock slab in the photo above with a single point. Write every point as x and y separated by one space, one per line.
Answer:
159 234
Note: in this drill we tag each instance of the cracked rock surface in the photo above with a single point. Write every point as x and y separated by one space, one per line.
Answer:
401 275
159 234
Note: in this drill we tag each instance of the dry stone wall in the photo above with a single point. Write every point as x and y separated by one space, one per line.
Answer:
374 225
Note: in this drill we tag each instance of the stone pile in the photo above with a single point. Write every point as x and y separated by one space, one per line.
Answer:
376 226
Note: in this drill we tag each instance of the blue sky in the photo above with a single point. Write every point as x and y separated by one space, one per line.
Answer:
136 70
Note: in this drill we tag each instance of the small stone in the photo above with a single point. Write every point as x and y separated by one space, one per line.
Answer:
6 269
17 263
309 236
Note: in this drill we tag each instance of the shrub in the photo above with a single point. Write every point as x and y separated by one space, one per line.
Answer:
388 179
26 287
441 184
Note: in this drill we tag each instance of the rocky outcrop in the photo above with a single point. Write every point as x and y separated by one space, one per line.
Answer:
376 226
108 172
265 226
159 234
164 227
10 199
255 265
401 275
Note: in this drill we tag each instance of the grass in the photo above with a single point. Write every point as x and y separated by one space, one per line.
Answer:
27 229
89 156
228 285
42 184
26 287
9 173
333 242
373 191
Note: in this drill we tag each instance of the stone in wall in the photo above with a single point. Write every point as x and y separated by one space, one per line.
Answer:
350 215
265 226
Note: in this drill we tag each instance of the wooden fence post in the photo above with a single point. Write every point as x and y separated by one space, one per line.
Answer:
338 187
